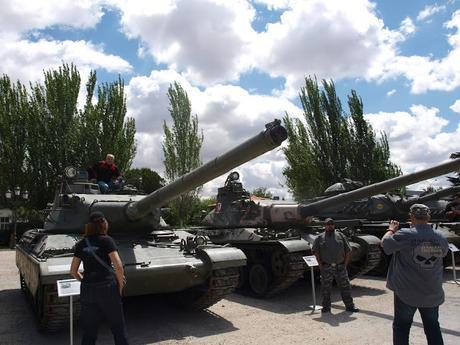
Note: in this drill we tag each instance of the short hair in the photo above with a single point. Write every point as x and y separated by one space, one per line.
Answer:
96 229
329 221
420 211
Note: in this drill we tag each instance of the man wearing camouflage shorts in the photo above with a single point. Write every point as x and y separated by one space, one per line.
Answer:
332 252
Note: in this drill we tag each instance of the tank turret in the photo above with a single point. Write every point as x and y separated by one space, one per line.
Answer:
132 213
156 260
273 234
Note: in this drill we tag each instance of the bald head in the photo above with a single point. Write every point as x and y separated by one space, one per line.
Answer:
110 158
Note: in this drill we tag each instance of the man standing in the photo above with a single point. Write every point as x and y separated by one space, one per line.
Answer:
452 210
415 274
106 174
332 252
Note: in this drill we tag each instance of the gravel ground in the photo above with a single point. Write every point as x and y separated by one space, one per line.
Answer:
285 319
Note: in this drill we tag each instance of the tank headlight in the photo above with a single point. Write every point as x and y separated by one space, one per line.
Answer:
234 176
200 241
70 172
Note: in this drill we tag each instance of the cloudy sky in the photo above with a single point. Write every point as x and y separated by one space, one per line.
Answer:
243 62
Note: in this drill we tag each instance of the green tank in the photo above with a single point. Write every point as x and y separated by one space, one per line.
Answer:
275 234
157 260
372 215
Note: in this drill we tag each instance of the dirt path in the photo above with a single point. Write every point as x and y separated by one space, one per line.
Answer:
285 319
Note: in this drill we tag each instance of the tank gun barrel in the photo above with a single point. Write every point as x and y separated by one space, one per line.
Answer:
273 135
431 196
379 187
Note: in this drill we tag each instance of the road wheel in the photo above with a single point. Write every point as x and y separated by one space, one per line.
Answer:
279 264
259 280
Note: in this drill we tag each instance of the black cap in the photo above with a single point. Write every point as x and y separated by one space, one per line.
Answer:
96 217
329 221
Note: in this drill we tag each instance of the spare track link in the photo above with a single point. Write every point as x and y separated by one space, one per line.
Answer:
221 283
372 260
52 312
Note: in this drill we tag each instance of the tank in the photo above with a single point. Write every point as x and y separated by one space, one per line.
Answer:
193 271
371 215
275 234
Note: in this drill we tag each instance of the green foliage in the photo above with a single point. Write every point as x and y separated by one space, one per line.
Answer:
332 145
181 148
144 179
42 131
262 192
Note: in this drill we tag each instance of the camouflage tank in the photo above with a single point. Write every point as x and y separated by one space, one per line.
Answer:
371 215
274 234
156 260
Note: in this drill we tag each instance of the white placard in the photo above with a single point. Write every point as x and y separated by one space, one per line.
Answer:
310 260
59 268
68 287
453 248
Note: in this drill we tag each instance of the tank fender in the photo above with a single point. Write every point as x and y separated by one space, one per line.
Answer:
29 269
295 245
368 239
223 257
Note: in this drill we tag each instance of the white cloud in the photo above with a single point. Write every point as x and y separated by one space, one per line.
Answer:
391 92
274 4
416 138
331 39
208 40
22 15
407 26
228 115
456 106
25 60
428 11
424 72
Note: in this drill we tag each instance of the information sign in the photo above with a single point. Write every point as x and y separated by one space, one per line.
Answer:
453 248
68 287
310 260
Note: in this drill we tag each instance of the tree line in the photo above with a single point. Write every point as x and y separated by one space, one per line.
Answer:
42 130
328 145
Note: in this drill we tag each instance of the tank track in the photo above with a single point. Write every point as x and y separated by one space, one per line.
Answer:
295 272
52 312
371 260
221 283
282 268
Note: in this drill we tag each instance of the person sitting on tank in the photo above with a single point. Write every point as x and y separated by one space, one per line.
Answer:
101 284
106 174
452 210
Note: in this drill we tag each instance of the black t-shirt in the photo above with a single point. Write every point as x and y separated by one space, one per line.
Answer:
102 245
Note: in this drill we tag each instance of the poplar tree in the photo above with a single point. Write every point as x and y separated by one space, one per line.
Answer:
330 145
181 148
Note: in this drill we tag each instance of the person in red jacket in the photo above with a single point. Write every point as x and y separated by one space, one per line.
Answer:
106 174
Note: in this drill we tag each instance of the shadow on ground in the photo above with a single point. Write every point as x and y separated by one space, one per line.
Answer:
149 319
299 297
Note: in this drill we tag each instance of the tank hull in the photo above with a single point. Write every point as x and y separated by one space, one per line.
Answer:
272 264
149 269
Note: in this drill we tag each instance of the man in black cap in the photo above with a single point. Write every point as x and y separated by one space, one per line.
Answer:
332 252
415 274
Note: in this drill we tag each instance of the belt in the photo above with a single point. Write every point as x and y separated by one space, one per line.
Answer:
332 264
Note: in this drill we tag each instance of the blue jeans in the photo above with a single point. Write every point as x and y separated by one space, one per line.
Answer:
402 322
102 301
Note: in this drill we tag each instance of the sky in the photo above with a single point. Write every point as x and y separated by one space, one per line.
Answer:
243 62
